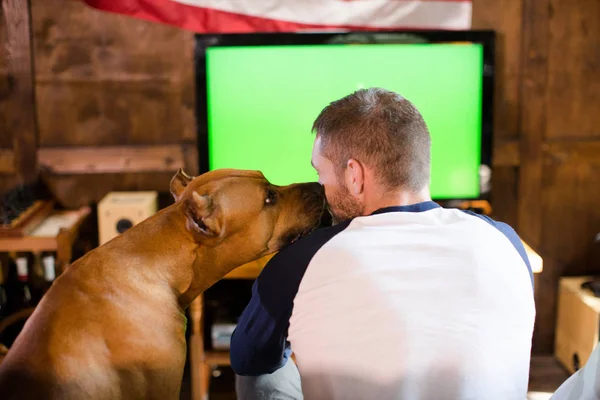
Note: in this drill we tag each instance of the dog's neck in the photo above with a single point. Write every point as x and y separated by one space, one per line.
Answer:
158 253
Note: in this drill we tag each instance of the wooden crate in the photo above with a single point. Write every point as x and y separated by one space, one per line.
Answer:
578 323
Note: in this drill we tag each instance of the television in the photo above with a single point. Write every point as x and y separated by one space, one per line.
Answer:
258 95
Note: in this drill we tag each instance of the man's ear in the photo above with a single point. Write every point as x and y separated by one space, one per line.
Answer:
202 216
355 177
178 183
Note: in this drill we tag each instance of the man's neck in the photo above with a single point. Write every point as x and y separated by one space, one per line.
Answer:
395 199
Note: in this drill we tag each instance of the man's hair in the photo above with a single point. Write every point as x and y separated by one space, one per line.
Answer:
382 130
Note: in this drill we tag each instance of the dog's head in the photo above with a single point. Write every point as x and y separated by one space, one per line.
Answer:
243 213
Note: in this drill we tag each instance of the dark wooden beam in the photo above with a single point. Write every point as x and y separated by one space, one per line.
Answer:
7 162
118 159
20 119
506 153
533 120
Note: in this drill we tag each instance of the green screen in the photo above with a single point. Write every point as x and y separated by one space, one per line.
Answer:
262 101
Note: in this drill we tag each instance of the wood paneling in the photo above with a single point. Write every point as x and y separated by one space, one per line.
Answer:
18 108
110 80
560 147
106 79
73 191
570 193
504 17
533 122
111 113
6 84
7 162
506 153
533 118
504 197
573 70
112 159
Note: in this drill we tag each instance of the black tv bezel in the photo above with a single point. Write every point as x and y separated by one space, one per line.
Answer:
484 37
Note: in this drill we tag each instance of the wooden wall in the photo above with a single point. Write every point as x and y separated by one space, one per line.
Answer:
111 92
112 87
548 99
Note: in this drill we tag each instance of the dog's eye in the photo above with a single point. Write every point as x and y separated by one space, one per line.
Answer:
271 197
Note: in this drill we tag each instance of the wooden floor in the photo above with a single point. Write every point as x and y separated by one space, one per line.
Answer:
546 375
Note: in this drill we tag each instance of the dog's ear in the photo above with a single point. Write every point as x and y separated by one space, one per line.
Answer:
178 183
201 212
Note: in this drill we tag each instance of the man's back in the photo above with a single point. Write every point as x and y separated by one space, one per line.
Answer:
415 302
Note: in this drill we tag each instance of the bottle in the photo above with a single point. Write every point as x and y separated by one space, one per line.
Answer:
22 296
49 270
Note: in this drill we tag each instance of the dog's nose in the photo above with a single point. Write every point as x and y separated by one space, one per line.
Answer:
313 190
317 188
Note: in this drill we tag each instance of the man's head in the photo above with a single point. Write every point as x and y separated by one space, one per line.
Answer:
370 144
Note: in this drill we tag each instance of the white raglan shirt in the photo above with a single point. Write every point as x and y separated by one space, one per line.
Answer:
413 302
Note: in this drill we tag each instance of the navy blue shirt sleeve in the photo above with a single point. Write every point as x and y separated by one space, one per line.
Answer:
510 233
259 343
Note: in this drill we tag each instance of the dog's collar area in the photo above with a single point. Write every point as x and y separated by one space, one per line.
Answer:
417 207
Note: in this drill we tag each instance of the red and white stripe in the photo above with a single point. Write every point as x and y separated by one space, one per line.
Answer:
241 16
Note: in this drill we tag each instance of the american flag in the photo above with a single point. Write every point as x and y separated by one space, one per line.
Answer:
243 16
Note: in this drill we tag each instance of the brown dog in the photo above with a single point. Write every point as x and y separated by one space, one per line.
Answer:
112 326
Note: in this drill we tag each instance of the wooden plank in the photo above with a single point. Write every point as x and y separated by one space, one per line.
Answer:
97 113
112 159
7 161
75 42
533 119
569 202
105 79
573 68
585 152
6 85
505 18
198 369
220 358
506 153
74 191
20 120
250 270
546 375
504 197
546 294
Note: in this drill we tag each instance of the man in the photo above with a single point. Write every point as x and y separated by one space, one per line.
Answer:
401 299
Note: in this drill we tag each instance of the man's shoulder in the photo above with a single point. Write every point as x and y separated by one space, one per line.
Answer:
282 275
297 256
509 233
503 227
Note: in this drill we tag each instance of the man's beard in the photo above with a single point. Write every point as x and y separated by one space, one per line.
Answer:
343 206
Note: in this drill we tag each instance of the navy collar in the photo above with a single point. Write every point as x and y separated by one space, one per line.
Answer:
418 207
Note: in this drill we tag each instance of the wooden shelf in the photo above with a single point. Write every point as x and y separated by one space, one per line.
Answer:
57 232
219 358
250 270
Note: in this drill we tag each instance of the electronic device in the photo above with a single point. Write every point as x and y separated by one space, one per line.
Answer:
258 95
119 211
